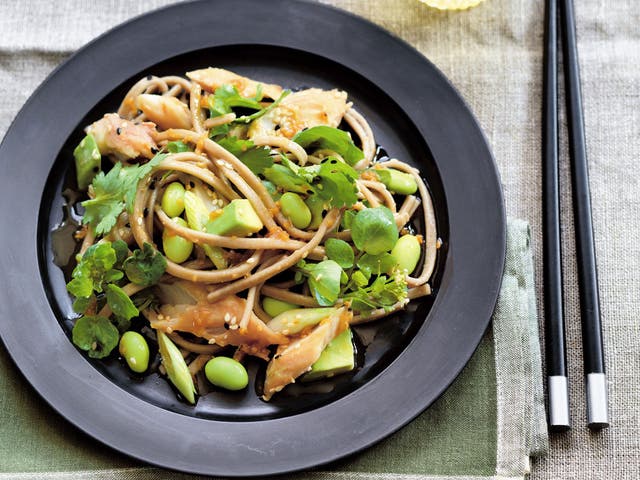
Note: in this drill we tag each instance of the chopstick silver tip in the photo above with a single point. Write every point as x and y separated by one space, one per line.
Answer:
558 403
597 410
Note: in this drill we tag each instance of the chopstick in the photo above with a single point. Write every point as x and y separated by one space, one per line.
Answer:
593 352
553 307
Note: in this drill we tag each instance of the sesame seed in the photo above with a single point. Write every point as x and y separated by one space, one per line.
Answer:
227 317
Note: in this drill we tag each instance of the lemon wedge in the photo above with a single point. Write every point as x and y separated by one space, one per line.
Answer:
452 4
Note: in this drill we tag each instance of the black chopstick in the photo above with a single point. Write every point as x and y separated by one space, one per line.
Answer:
553 307
593 352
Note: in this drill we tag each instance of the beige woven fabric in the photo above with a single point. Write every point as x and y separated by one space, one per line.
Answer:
493 55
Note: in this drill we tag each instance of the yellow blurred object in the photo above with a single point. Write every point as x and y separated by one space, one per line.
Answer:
452 4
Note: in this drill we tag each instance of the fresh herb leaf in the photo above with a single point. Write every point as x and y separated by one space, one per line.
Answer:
347 219
144 299
286 179
120 303
340 252
324 281
258 159
219 131
227 97
374 230
82 304
121 323
264 111
337 183
94 270
333 181
101 212
359 279
146 266
324 137
376 264
177 147
113 192
96 335
122 251
383 292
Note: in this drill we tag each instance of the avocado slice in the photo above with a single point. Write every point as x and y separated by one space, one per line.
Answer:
88 161
337 357
238 219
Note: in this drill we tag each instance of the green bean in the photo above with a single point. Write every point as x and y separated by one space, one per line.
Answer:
406 252
397 181
173 199
226 373
176 248
295 209
275 307
135 351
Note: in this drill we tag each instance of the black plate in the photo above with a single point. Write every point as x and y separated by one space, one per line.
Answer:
416 115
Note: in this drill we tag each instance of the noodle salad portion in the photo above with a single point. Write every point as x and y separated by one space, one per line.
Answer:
226 218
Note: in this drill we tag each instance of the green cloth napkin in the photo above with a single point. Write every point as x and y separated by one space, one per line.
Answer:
486 425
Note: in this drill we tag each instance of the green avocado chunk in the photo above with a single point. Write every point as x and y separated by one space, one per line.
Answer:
337 357
88 161
238 219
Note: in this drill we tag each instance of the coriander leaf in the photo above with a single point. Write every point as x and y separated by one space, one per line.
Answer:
264 111
337 183
94 269
120 303
324 281
256 158
113 192
374 230
146 266
101 211
134 174
226 97
324 137
96 335
220 130
177 147
340 252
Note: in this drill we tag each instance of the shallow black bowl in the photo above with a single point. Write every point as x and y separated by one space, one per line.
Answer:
415 114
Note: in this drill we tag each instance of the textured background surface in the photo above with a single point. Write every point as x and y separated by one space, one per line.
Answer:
493 55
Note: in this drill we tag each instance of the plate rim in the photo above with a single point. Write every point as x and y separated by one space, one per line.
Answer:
297 9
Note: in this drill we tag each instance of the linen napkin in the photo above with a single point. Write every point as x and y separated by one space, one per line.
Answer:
486 425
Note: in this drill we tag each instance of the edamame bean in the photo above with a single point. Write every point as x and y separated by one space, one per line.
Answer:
226 373
316 206
406 252
397 181
173 199
135 351
176 248
275 307
295 209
